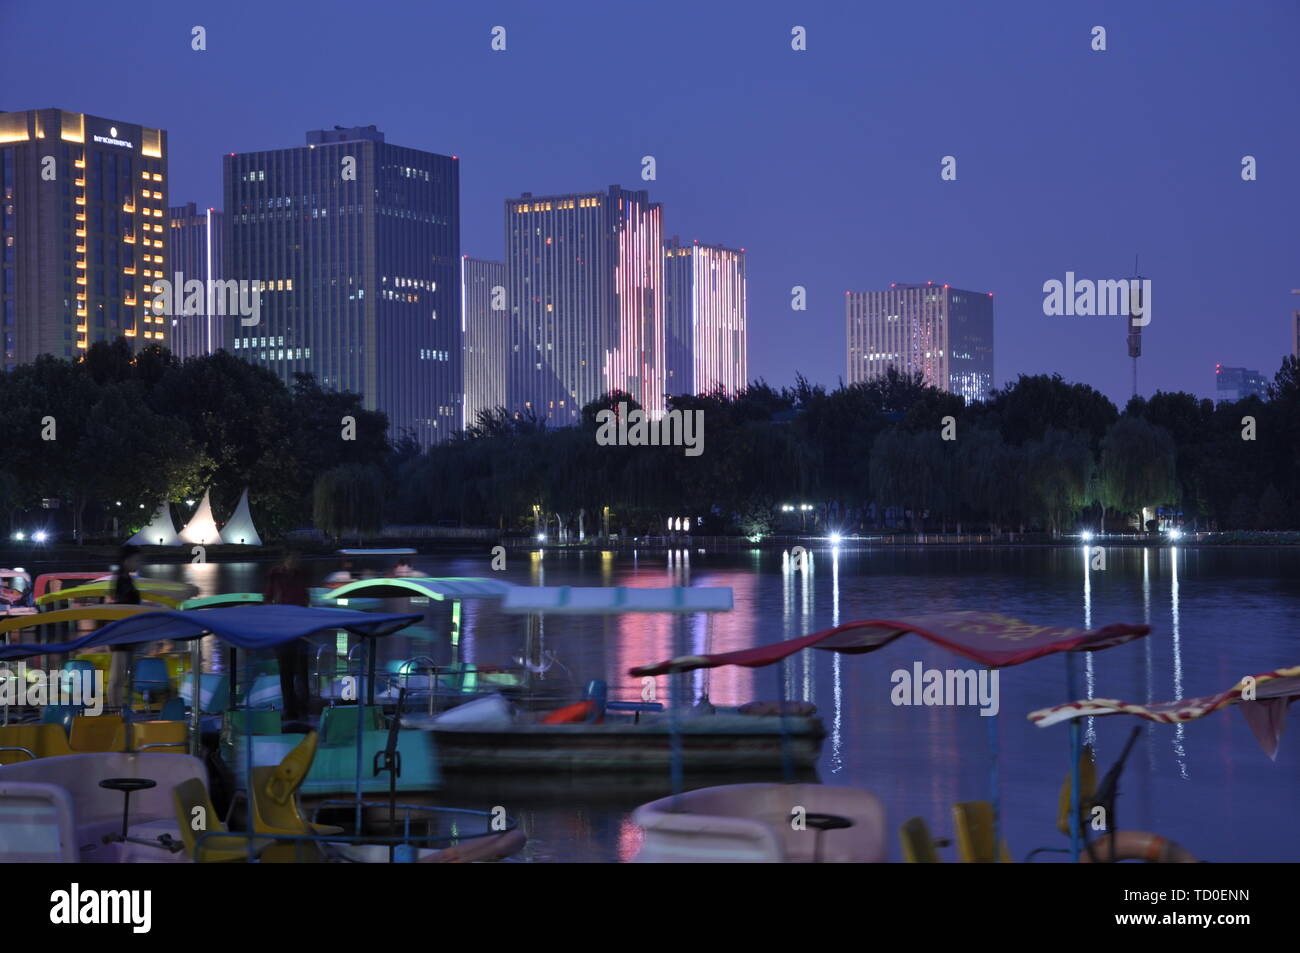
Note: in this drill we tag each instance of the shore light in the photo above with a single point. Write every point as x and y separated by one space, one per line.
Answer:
1086 535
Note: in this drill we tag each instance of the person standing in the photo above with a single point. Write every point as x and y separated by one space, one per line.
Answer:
287 586
124 593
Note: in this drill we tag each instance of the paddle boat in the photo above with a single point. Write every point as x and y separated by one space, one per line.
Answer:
15 593
1263 701
428 685
159 591
72 791
800 822
599 735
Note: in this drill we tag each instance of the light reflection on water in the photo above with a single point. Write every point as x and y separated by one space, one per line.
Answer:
1216 614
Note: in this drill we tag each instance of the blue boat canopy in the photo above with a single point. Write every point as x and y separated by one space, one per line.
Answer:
437 588
612 600
245 627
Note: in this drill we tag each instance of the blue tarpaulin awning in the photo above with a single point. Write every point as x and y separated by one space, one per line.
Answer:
245 627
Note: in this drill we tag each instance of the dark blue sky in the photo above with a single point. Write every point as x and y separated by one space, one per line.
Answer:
824 165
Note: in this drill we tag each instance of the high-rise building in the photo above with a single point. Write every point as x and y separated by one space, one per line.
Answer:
585 278
1237 383
82 232
486 327
197 240
355 244
944 333
706 340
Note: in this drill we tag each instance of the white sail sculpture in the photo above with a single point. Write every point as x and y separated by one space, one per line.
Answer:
240 530
202 528
161 531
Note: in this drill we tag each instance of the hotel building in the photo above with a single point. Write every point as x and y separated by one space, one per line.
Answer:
355 243
944 333
585 276
82 232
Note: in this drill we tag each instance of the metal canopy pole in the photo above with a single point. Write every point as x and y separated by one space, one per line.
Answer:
196 667
995 794
675 700
1071 676
248 748
365 647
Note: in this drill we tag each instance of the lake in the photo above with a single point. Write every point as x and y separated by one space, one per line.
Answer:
1216 614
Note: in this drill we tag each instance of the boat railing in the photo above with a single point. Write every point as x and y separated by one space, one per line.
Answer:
27 751
407 839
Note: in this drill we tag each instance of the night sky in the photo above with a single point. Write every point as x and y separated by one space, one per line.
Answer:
824 165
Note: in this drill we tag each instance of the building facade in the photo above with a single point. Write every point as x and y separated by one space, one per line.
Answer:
706 336
585 280
82 232
1238 383
944 333
197 238
355 245
486 327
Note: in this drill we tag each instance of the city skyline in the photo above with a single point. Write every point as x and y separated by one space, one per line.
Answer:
860 203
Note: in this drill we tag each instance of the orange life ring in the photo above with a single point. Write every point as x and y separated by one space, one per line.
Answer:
1139 845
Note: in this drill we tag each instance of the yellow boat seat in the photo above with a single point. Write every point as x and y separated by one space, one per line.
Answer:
1087 791
43 741
167 736
194 808
918 846
94 733
974 823
274 795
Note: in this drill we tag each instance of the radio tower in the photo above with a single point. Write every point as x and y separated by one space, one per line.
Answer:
1135 330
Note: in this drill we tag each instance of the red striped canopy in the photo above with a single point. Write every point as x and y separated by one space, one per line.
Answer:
987 637
1265 712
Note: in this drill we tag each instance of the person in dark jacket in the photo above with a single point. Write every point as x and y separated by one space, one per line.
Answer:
124 593
287 586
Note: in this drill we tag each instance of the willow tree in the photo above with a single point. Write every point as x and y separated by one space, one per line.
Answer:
1137 467
349 500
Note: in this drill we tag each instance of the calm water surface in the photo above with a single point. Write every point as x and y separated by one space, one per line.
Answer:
1216 615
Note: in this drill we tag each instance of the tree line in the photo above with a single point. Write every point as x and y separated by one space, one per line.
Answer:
1040 454
107 437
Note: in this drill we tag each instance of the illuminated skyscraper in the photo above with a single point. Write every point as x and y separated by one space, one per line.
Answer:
585 280
706 336
197 239
356 244
486 326
82 232
942 332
